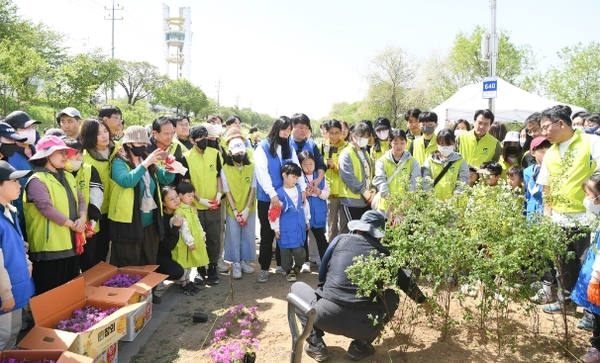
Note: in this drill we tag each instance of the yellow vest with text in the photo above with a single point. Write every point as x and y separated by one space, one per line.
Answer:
400 183
476 152
203 173
570 194
419 152
240 184
45 235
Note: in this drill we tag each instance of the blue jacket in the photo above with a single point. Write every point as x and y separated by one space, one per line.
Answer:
15 260
309 145
292 222
318 207
533 193
274 167
579 293
21 162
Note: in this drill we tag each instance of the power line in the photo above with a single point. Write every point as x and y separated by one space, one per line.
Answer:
112 19
83 6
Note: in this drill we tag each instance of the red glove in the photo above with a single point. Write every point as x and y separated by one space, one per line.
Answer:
274 213
593 293
89 230
168 161
241 220
79 242
214 204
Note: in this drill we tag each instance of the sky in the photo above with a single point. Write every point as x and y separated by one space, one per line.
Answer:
282 57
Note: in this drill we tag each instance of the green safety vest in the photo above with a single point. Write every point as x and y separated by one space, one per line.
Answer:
385 146
181 253
446 186
477 152
400 183
45 235
571 193
419 151
240 184
103 168
357 166
82 178
333 175
203 173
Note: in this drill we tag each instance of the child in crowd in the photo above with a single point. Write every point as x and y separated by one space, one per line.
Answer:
168 243
239 184
511 151
332 147
16 284
291 225
514 177
491 172
316 196
445 170
89 183
587 290
533 191
191 249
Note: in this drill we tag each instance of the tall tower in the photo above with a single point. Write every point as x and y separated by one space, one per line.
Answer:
178 43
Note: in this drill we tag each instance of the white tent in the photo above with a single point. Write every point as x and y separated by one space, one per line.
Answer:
512 103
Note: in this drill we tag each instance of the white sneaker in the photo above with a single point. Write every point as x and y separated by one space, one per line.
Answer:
246 268
263 276
280 270
236 271
305 268
161 287
223 266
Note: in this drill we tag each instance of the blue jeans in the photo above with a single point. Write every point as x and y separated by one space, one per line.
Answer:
239 240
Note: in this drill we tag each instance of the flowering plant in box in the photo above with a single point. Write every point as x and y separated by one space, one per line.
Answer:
15 360
235 340
122 280
83 319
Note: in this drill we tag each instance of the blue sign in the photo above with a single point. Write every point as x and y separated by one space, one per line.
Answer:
490 87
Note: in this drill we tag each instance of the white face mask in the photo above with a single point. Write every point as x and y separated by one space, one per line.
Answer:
29 134
445 150
362 142
522 142
457 133
73 165
383 134
591 207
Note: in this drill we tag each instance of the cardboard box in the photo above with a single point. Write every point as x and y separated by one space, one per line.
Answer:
137 320
110 355
59 356
104 271
57 304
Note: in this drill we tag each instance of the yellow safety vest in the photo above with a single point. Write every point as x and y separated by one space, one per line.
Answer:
203 173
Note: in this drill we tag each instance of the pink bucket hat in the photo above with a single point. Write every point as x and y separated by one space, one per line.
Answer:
48 145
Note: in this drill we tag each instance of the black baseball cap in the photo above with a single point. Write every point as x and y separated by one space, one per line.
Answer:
7 131
20 120
8 172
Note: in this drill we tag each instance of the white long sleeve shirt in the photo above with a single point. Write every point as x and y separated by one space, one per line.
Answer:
261 170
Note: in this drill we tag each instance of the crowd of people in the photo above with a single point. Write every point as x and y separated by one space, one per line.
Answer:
189 197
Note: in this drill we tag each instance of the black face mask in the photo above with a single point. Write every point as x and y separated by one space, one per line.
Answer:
8 150
202 144
213 143
238 158
138 150
512 150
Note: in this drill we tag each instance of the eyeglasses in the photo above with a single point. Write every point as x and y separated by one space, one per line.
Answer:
544 129
533 131
171 200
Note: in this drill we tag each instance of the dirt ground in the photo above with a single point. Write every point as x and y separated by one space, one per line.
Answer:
178 339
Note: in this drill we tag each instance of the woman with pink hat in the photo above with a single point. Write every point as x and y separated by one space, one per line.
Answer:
55 212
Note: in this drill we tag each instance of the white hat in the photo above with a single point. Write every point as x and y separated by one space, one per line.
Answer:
236 146
512 136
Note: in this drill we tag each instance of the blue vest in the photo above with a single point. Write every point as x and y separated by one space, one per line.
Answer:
292 223
274 164
20 162
318 207
309 145
533 193
579 293
15 260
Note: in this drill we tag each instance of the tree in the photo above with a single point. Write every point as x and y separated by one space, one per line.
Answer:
139 80
463 65
576 80
349 112
182 95
390 76
20 69
76 82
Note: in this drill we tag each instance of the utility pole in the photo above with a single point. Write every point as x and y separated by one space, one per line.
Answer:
237 101
112 19
218 87
493 48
